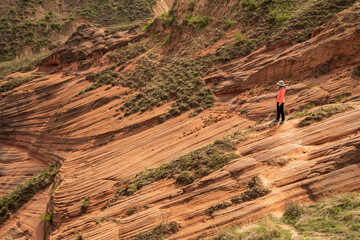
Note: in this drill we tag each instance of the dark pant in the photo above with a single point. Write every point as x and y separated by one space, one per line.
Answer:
280 110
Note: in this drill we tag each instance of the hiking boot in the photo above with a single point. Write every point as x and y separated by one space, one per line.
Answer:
281 122
275 120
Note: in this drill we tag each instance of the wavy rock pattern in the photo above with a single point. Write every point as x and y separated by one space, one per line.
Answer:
97 150
16 167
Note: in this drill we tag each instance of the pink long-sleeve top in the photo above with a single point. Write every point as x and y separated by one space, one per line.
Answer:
281 96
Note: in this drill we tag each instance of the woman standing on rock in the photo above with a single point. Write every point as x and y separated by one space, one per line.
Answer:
280 99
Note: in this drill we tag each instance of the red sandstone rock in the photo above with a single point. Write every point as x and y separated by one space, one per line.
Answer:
321 157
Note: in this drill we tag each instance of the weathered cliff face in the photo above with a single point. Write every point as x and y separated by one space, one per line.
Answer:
330 49
325 52
87 43
46 120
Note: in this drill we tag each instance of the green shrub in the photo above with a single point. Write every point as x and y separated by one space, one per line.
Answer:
201 236
217 207
55 26
239 36
43 24
158 232
191 5
249 5
311 86
195 21
79 236
54 46
229 23
46 217
298 115
309 106
117 12
171 19
132 210
293 213
336 217
185 178
61 125
84 205
306 17
356 71
148 24
106 77
122 56
339 98
257 188
279 15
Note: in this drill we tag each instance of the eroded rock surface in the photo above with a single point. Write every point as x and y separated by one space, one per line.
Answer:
85 43
97 150
16 167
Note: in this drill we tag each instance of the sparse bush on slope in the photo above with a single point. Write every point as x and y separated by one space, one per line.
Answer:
356 72
322 113
22 64
159 81
10 203
158 232
257 187
27 24
172 80
268 229
276 19
12 83
337 217
196 164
